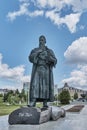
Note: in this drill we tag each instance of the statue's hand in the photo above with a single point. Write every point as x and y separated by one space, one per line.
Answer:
43 55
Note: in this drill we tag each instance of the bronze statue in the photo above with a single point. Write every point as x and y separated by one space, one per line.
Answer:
42 84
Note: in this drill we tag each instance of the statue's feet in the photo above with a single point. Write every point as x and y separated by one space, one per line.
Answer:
45 104
32 104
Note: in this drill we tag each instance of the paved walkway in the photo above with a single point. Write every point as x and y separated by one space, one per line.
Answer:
72 121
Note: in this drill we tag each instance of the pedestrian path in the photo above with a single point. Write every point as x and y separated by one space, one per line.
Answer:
72 121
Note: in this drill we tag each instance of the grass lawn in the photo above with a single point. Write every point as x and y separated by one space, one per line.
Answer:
5 109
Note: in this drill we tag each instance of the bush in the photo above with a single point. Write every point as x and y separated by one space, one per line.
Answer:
64 97
75 95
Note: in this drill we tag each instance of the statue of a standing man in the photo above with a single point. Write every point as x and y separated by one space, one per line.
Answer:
42 84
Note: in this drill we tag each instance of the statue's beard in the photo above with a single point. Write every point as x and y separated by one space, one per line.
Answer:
42 46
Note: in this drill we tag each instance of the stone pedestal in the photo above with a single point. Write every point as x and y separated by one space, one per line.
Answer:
33 115
30 115
45 115
57 112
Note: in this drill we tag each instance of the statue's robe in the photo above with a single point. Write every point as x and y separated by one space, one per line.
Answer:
42 83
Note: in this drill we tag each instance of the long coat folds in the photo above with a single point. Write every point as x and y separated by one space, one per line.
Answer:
42 84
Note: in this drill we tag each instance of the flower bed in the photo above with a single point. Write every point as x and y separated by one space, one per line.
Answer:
76 108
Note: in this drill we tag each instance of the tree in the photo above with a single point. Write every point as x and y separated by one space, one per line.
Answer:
17 91
15 97
75 95
23 96
10 99
64 97
6 95
83 95
56 97
5 98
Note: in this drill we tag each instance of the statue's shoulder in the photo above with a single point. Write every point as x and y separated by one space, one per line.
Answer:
34 50
48 49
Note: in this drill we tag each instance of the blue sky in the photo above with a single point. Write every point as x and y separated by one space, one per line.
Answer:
64 24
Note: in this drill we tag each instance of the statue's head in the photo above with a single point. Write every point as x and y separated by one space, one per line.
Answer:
42 39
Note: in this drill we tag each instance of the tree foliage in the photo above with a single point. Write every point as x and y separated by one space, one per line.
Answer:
83 95
75 95
14 97
64 97
56 97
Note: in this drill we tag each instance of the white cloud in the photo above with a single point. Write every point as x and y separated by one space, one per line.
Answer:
58 4
76 53
35 13
82 27
24 11
11 73
41 3
25 78
78 77
79 5
15 74
69 20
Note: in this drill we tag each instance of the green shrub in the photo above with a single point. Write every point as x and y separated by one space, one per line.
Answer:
64 97
75 95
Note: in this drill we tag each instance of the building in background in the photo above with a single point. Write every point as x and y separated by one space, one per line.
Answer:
56 89
72 90
26 86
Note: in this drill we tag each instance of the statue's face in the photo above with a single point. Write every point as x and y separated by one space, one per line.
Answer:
42 41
